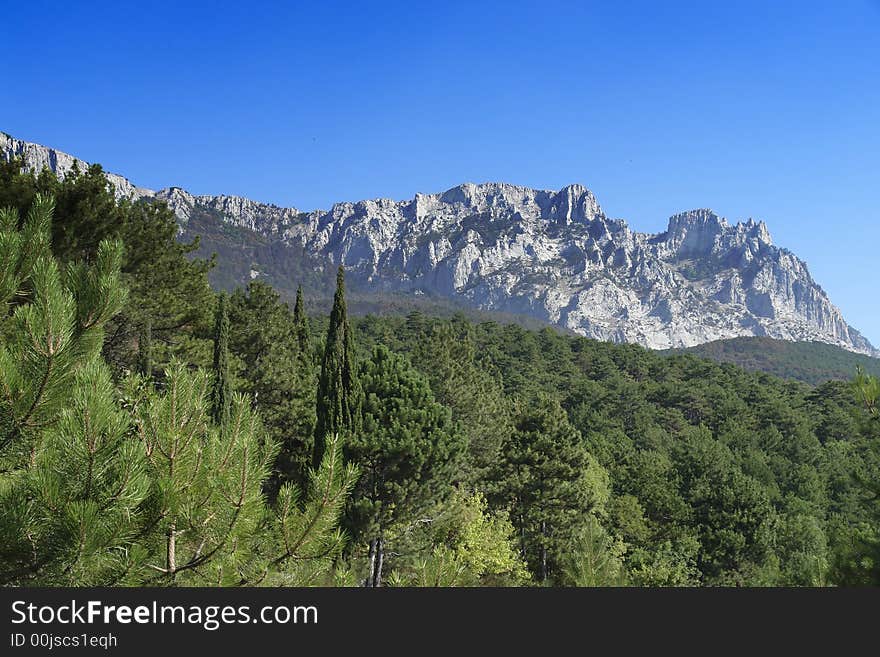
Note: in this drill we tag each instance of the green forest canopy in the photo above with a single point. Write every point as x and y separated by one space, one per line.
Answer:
482 453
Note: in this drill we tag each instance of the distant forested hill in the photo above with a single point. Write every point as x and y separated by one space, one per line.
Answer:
811 362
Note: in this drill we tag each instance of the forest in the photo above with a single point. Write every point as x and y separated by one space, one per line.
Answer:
154 432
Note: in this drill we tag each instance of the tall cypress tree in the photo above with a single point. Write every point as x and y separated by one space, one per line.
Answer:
338 408
221 387
301 325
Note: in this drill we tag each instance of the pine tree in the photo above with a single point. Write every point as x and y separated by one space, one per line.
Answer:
448 355
71 478
304 522
867 391
408 452
274 372
206 496
221 384
593 558
549 482
164 282
338 408
301 324
147 491
56 323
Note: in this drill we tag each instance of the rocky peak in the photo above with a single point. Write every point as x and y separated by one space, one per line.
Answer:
574 203
702 232
553 255
37 157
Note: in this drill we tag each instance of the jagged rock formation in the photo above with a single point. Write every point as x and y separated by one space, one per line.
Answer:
37 157
551 255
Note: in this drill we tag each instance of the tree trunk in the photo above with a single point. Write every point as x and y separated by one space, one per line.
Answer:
171 555
544 552
380 557
371 559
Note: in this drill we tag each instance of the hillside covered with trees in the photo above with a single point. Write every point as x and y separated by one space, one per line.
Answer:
155 432
810 362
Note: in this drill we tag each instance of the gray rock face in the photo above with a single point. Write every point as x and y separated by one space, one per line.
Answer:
38 157
554 255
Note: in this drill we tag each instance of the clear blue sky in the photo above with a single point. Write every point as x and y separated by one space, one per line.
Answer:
768 110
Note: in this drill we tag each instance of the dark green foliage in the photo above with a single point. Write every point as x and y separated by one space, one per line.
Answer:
407 449
474 395
338 409
810 362
301 325
278 376
148 491
166 286
549 482
71 478
221 382
862 563
145 350
206 518
52 323
718 475
604 464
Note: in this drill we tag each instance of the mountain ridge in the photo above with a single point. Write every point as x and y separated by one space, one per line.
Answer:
551 255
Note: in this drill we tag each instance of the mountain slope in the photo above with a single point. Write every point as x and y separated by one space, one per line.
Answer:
551 255
810 362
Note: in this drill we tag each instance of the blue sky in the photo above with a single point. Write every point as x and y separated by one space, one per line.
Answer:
768 110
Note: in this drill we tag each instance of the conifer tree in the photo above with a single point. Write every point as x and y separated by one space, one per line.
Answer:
206 481
210 523
301 324
549 482
221 385
448 355
867 390
338 408
304 522
408 452
280 379
56 322
71 479
164 282
593 558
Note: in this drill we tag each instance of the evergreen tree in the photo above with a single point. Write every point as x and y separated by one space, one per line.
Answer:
206 498
71 478
301 324
867 391
593 558
303 528
221 385
208 518
447 354
164 283
407 452
549 482
338 408
276 374
56 323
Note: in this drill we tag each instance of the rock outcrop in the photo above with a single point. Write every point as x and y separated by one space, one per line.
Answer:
553 255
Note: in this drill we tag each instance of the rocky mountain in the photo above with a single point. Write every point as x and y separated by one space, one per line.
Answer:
551 255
